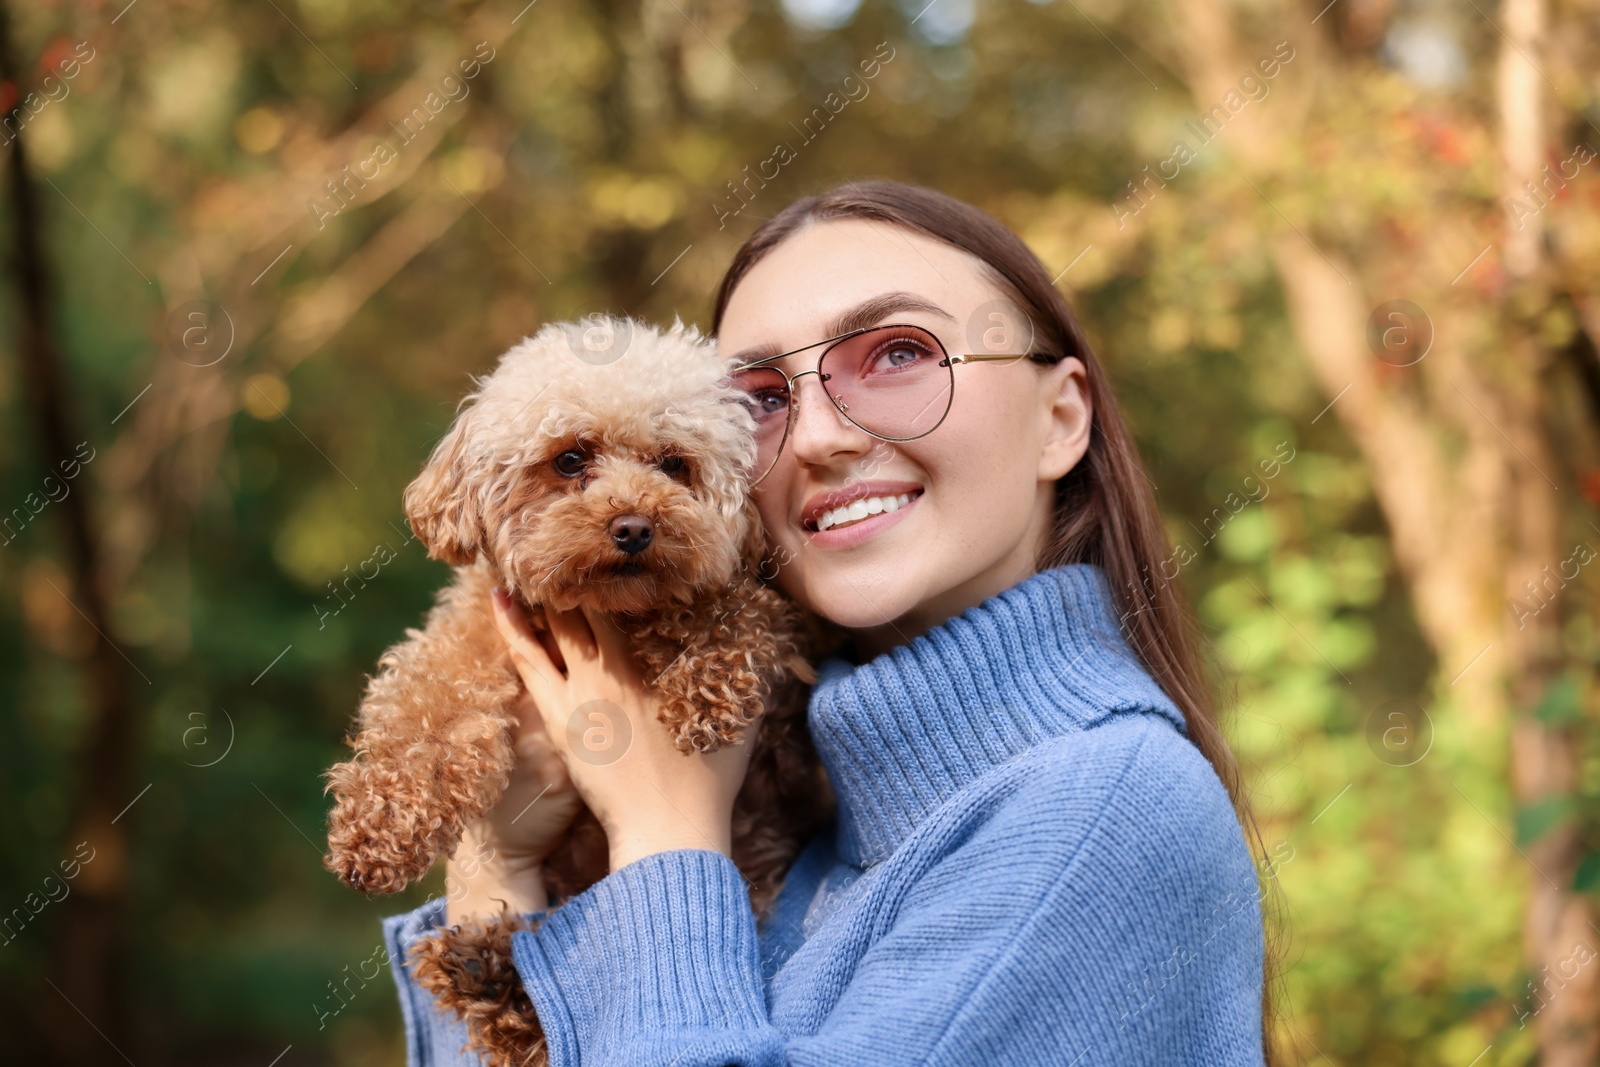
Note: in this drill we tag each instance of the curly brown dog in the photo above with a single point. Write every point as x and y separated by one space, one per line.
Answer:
602 464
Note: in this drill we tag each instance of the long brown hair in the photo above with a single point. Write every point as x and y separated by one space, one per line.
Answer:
1105 511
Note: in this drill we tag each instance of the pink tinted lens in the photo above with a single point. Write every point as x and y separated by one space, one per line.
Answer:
894 381
767 398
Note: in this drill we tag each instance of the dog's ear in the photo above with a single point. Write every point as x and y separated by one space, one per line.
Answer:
442 503
753 554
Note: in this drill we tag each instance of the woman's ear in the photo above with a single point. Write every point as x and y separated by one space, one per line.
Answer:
442 505
1068 413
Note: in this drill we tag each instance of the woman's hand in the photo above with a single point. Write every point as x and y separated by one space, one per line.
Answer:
500 855
601 717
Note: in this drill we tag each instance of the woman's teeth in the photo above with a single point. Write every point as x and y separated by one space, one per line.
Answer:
857 510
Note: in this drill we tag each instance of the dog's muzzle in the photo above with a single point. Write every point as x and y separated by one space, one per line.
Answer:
631 533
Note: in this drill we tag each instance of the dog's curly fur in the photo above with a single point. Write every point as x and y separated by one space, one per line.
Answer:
470 971
523 492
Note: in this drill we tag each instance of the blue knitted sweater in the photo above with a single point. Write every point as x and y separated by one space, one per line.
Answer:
1032 865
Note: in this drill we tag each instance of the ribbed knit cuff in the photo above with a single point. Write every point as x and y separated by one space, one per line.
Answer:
428 1030
656 957
434 1036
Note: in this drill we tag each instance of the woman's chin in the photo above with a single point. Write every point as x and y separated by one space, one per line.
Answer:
857 598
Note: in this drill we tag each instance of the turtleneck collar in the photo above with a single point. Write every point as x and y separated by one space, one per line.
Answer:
905 730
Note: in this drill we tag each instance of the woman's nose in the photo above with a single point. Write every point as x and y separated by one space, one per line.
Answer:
820 432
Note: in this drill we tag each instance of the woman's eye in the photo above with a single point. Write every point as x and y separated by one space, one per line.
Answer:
899 355
671 464
768 403
570 463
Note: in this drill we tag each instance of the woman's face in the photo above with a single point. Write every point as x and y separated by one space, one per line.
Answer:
980 485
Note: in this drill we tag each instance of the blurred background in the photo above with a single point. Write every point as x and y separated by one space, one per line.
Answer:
1342 259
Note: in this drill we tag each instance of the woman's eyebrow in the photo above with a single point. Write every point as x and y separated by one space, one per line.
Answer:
875 309
869 312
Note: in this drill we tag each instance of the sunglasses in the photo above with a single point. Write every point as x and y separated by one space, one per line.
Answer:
894 382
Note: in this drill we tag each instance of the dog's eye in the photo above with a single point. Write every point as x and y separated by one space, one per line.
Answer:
570 463
671 464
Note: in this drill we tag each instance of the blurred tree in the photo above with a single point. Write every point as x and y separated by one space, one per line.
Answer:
1454 407
90 966
281 241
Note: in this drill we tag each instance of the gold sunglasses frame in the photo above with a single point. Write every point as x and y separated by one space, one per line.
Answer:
949 361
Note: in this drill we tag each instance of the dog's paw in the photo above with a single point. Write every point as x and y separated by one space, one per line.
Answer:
470 972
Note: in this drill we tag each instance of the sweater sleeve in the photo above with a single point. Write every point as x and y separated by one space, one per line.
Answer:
1125 934
435 1036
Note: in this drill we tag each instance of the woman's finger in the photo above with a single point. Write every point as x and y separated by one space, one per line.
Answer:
544 681
572 634
607 635
538 672
538 747
613 644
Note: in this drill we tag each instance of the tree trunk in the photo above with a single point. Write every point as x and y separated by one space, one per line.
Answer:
91 919
1558 926
1463 469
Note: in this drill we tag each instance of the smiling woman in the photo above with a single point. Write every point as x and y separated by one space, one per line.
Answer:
1041 853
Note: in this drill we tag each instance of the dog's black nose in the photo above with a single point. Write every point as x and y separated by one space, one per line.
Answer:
631 533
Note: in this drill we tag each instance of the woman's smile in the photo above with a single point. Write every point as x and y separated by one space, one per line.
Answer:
855 506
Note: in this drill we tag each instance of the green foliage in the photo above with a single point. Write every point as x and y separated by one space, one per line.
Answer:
589 168
1562 702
